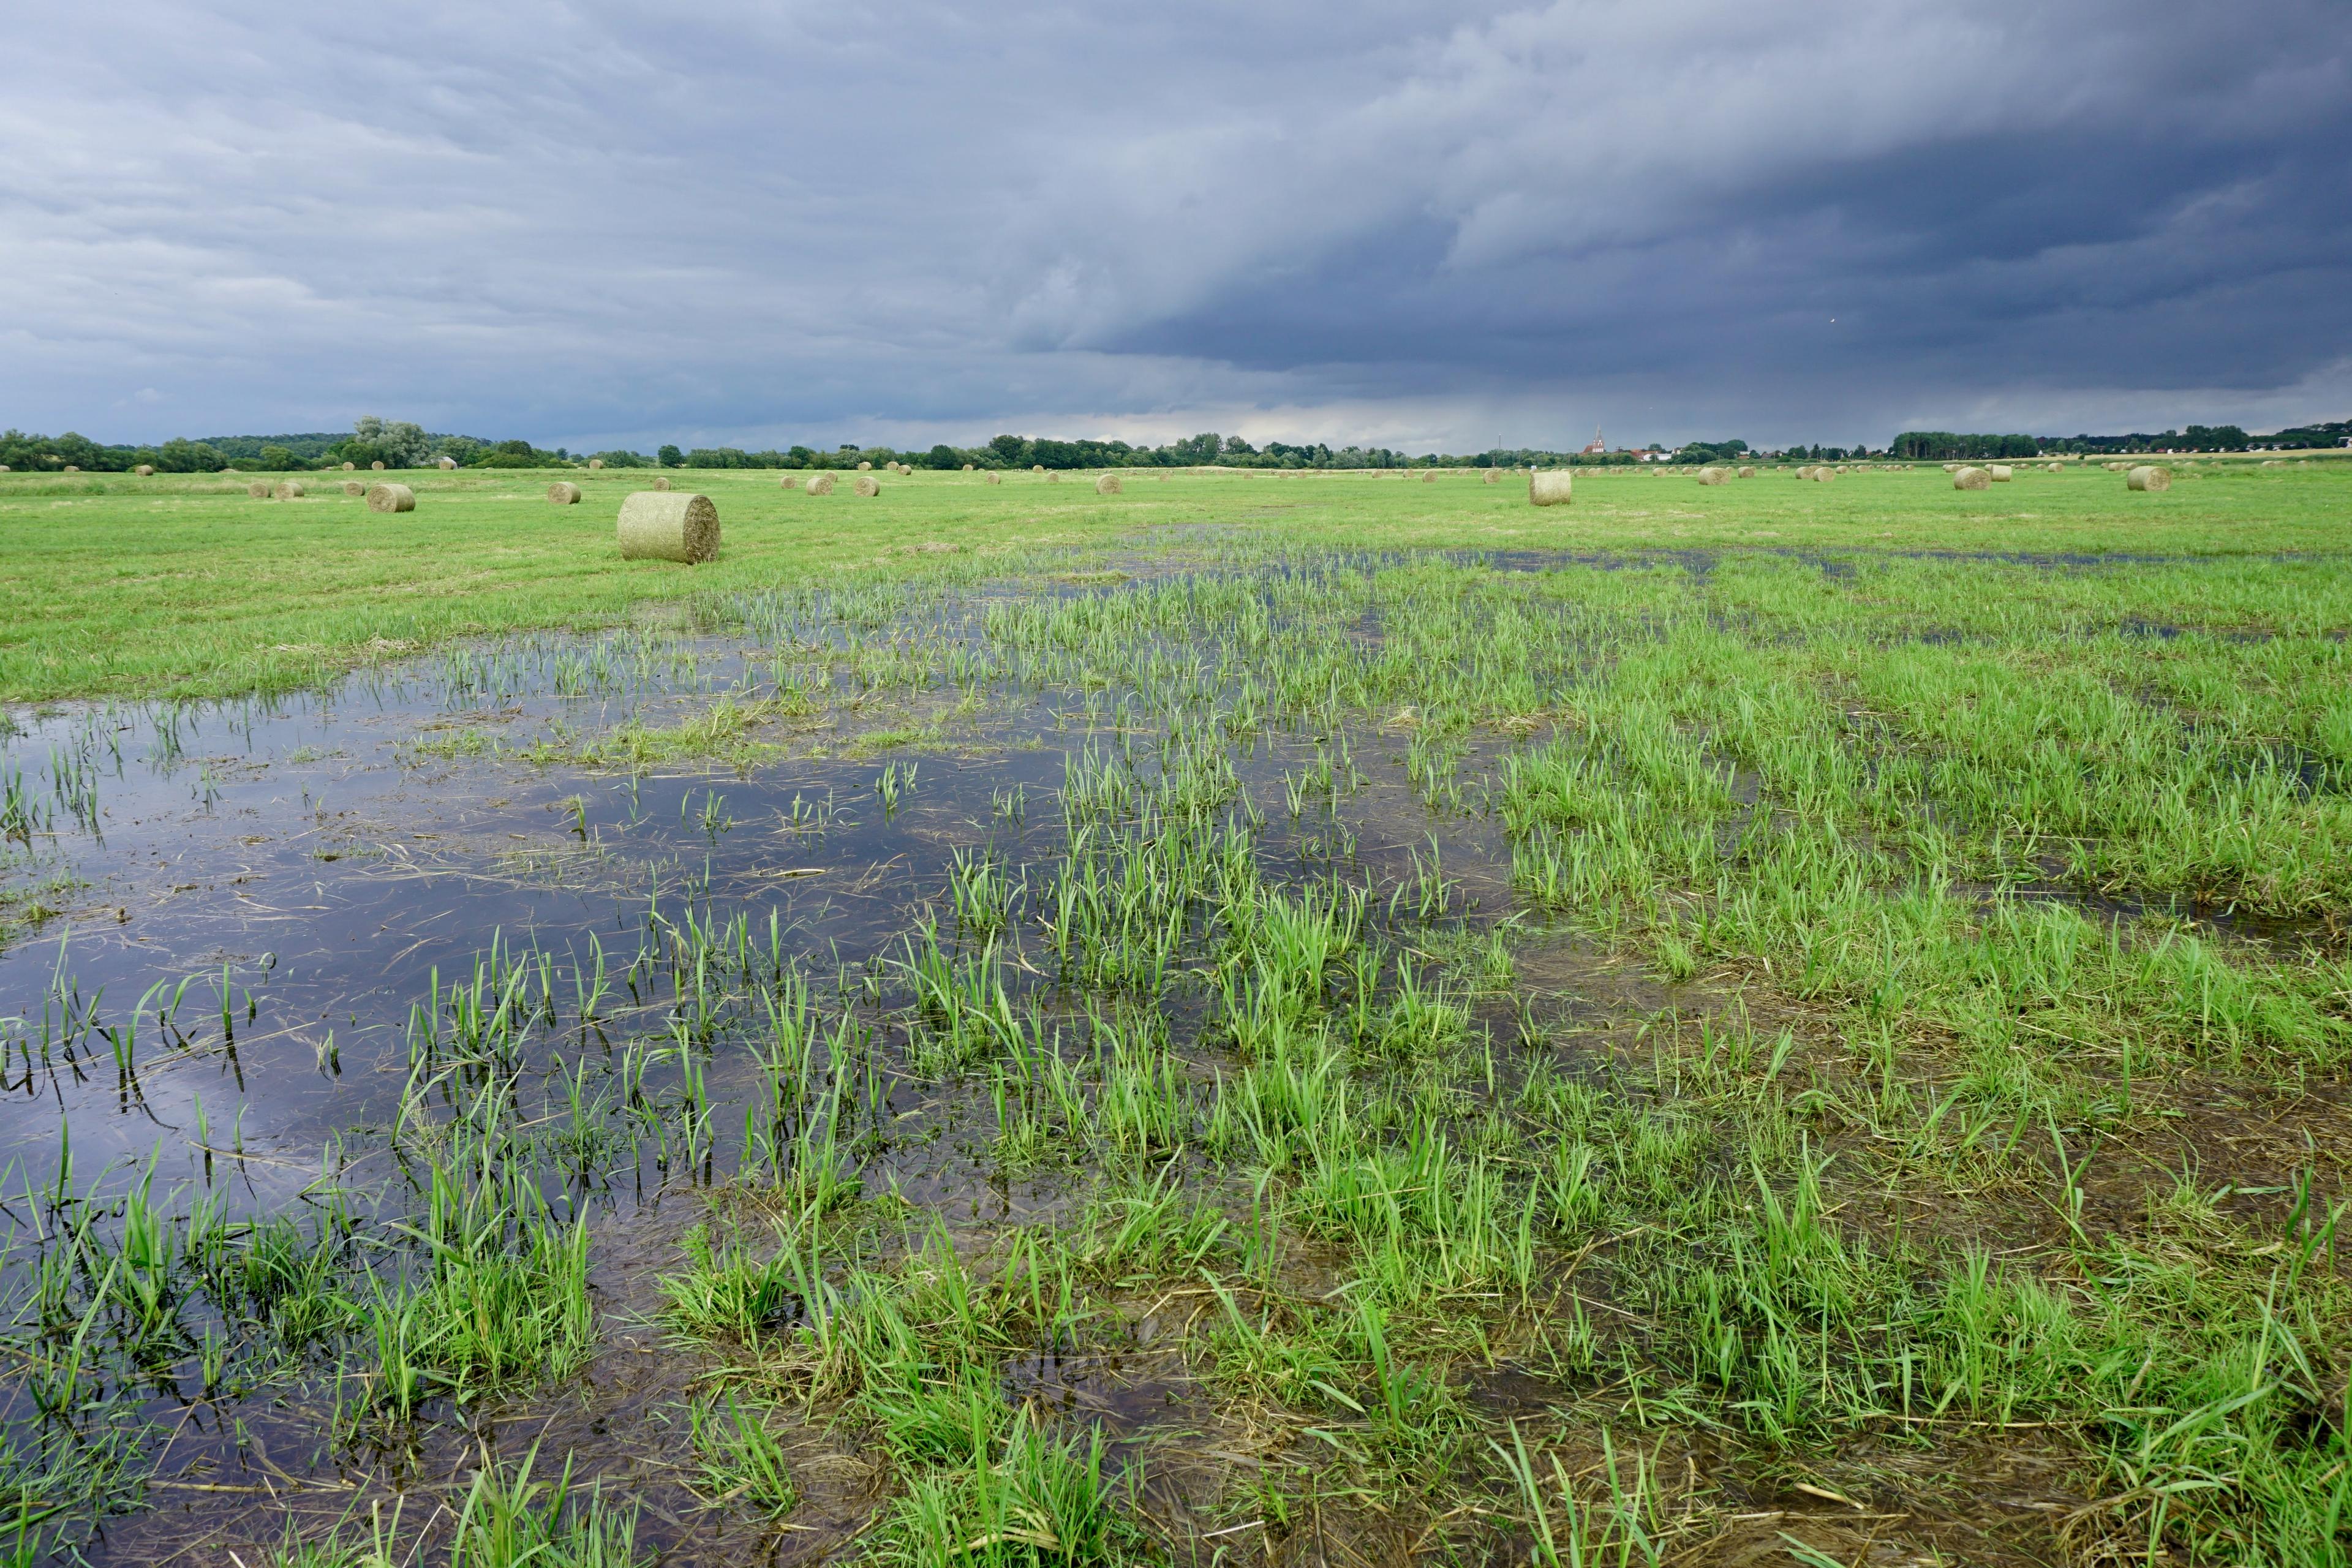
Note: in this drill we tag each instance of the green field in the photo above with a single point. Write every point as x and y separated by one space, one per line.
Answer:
117 585
1285 1020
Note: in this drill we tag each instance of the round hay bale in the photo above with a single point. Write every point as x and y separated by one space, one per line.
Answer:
1494 476
1951 467
1036 468
290 490
73 468
1550 488
349 467
354 487
867 485
966 468
1746 473
662 483
1823 474
563 492
864 467
2055 468
384 496
1106 485
1971 478
446 463
145 470
2149 477
668 525
595 462
1711 475
257 490
377 466
2001 476
820 485
1054 477
994 477
1429 477
4 468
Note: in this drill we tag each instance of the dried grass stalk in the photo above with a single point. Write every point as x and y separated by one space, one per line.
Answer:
660 525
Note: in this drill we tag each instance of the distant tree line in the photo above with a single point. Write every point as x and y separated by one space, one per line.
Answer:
397 443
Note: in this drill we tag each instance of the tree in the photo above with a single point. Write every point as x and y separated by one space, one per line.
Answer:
941 457
396 443
1008 450
670 456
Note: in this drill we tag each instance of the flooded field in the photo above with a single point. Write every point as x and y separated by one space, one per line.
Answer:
1210 1053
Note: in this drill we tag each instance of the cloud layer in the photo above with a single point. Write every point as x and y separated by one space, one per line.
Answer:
1429 225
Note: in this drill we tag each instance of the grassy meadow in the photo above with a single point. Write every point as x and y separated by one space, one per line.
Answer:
1256 1020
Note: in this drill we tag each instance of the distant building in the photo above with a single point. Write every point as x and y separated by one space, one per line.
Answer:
1597 446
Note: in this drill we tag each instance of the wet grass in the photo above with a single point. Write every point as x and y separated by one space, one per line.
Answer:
1777 1057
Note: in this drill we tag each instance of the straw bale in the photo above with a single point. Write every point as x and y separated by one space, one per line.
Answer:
1549 487
966 468
2149 477
2001 475
595 462
1494 476
662 483
820 484
668 525
994 477
1107 485
866 468
145 470
1036 468
384 496
1823 474
257 490
1054 477
1430 477
1951 467
377 466
349 467
73 468
563 492
1971 478
867 485
354 487
1711 475
1746 473
290 490
446 463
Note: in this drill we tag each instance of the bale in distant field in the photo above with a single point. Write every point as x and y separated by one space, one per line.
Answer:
820 484
386 496
257 490
1494 476
662 483
866 468
349 467
2148 477
448 463
867 485
354 487
4 468
1429 477
1823 474
145 470
563 492
2001 476
1550 488
377 464
1746 473
1971 478
2055 468
966 468
1712 475
595 462
1036 468
1053 476
1951 467
290 490
994 477
73 468
1107 485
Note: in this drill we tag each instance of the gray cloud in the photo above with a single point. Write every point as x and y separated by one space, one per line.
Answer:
1434 224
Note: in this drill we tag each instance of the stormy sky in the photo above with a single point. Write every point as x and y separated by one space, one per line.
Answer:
1396 221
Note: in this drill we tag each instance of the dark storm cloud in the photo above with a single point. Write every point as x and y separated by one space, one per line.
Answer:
1412 222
